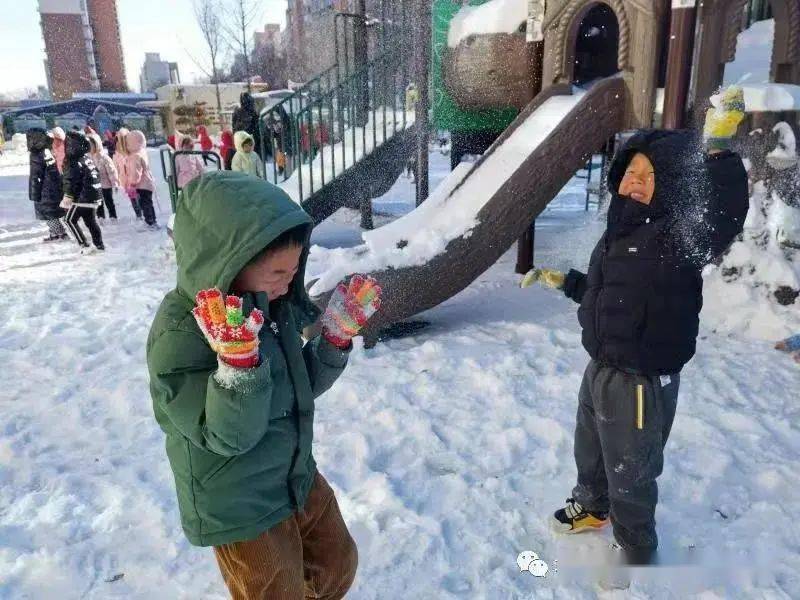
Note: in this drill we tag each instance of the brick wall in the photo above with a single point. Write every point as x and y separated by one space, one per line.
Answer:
107 45
66 52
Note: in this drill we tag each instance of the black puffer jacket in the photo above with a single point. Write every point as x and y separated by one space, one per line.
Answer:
245 118
44 182
81 179
641 299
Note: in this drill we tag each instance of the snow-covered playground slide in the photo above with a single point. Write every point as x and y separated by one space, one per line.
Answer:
480 210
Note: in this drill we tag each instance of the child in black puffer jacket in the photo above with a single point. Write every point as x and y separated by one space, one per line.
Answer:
44 184
82 190
675 207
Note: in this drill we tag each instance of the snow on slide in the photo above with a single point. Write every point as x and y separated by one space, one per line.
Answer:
450 212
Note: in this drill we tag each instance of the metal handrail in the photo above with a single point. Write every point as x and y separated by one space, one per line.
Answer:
315 126
316 135
299 94
329 109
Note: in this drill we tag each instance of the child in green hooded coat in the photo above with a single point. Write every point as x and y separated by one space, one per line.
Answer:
234 385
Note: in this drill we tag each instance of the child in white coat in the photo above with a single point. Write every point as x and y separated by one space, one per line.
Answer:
109 178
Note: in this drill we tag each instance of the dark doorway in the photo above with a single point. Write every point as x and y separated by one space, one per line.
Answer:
596 45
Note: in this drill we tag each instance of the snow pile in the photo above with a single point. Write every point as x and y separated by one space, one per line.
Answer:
14 160
496 16
753 55
771 97
19 142
450 213
784 155
740 294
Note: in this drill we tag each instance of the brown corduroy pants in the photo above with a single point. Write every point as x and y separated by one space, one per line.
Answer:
309 555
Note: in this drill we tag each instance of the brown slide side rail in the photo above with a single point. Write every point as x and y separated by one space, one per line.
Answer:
520 199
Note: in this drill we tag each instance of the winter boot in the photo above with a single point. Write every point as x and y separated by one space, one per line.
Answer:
574 519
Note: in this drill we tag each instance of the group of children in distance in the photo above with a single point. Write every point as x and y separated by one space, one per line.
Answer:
237 152
73 178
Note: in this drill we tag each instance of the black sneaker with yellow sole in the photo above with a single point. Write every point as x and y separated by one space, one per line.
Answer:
573 518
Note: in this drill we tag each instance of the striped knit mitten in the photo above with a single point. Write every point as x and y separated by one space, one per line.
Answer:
349 309
230 335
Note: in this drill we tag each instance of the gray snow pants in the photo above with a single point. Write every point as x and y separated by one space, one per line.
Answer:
623 423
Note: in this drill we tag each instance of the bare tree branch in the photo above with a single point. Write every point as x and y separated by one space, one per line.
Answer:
242 13
207 14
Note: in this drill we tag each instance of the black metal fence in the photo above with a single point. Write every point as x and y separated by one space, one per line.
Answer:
333 121
167 156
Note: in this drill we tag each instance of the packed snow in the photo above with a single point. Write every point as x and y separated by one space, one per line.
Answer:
786 150
448 450
495 16
450 212
740 293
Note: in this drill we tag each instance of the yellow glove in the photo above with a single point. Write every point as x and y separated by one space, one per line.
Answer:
547 277
723 120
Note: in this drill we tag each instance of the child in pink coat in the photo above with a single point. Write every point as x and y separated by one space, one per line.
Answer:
120 162
140 180
58 136
187 166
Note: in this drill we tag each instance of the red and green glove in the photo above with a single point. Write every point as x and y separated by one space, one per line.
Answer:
349 309
231 336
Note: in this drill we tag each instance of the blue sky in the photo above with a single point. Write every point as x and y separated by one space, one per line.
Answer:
164 26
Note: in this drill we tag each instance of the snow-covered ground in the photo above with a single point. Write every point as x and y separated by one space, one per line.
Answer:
448 450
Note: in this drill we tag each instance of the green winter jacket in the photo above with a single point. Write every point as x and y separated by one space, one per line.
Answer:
241 457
